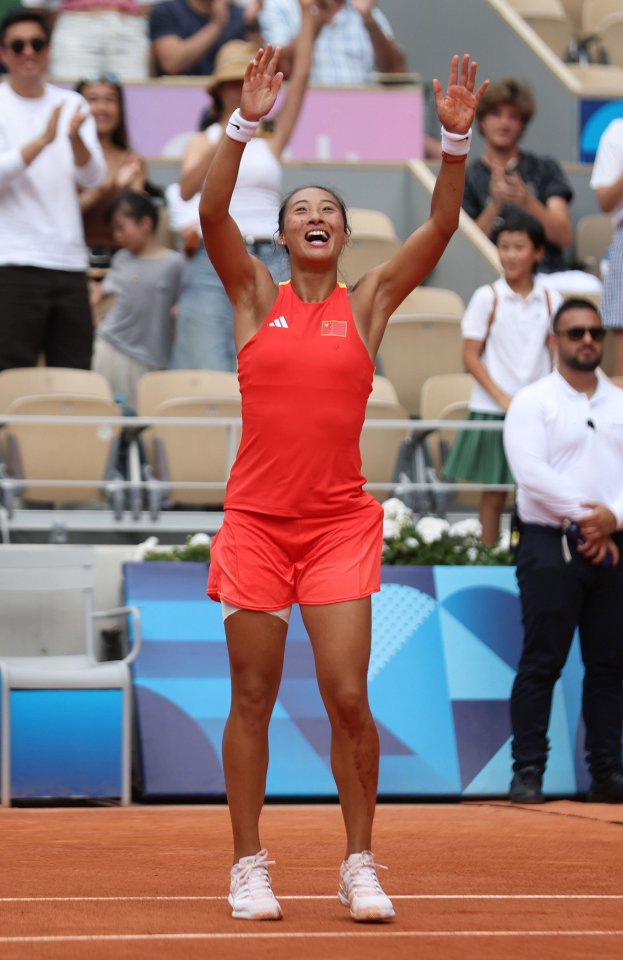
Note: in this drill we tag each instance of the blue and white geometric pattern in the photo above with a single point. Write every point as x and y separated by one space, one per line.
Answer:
445 644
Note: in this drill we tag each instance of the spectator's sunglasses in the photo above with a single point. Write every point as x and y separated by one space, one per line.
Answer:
37 45
578 333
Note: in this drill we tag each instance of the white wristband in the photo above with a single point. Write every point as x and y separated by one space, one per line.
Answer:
240 129
456 144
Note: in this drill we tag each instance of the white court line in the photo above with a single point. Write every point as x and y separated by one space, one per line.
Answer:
314 935
395 896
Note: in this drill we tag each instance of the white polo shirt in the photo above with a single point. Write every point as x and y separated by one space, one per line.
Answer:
565 449
516 352
608 165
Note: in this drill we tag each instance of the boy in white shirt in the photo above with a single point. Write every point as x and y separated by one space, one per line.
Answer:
505 346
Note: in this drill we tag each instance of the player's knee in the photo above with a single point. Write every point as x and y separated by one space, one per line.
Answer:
350 711
253 702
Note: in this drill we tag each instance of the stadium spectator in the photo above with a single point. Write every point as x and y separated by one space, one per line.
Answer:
354 40
97 36
607 181
144 280
204 332
48 149
505 346
126 170
186 35
564 441
507 176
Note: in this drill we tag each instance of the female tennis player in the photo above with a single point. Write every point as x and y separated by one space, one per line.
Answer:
298 527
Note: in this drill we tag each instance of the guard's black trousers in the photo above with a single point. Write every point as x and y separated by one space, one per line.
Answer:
555 598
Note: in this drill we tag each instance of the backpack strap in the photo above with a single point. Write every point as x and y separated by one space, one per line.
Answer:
491 318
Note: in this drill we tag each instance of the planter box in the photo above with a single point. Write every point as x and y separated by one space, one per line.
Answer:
445 644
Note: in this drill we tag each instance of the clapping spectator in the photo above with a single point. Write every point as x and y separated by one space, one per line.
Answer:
354 39
48 149
126 169
506 176
187 34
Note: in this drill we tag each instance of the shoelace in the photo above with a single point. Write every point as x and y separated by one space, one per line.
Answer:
363 875
255 876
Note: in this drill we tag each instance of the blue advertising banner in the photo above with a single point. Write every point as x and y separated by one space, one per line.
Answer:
595 115
445 644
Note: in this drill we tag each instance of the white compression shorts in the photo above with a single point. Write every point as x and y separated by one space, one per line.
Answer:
228 609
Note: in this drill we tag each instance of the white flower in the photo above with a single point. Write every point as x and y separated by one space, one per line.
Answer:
391 528
503 543
431 528
395 509
472 554
470 527
412 543
199 540
142 549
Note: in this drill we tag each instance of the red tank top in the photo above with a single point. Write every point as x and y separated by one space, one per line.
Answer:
305 378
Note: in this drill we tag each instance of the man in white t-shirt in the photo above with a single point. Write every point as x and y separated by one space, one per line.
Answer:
48 149
563 437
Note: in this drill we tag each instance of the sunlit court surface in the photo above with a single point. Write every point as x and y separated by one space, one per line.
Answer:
472 881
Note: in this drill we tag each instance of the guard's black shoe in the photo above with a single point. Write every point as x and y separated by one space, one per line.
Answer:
526 786
609 790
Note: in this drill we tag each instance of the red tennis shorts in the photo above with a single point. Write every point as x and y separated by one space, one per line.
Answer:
261 562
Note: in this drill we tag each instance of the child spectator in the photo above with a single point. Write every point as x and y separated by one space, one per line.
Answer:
505 331
136 332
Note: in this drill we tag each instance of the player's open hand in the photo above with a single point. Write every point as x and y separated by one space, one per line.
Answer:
457 107
261 84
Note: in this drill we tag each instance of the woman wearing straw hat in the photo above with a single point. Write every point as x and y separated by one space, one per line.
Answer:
204 333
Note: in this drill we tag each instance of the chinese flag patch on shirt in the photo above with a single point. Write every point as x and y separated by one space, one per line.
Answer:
333 328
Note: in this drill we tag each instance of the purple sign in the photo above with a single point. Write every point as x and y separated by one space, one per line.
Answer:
335 124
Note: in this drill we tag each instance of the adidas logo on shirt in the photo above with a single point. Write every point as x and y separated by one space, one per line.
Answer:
279 322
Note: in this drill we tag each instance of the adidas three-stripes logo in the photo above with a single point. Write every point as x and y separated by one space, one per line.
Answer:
279 322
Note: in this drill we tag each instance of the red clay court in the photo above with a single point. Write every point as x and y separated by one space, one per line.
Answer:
471 881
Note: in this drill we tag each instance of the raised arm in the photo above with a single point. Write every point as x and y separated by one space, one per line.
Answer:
247 281
380 291
388 57
299 78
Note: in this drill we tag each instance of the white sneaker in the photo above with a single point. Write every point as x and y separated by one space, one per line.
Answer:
361 891
251 896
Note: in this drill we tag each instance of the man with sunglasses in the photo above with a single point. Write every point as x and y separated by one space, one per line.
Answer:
563 437
48 149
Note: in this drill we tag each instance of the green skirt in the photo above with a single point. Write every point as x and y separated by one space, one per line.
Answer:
478 456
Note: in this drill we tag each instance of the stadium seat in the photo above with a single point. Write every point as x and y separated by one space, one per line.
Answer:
605 18
445 397
380 446
373 240
188 454
423 337
84 454
29 573
593 236
548 19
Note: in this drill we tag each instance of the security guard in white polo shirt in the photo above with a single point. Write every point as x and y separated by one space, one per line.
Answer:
563 437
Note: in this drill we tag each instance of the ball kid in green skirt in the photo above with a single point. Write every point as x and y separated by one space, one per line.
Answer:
504 331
